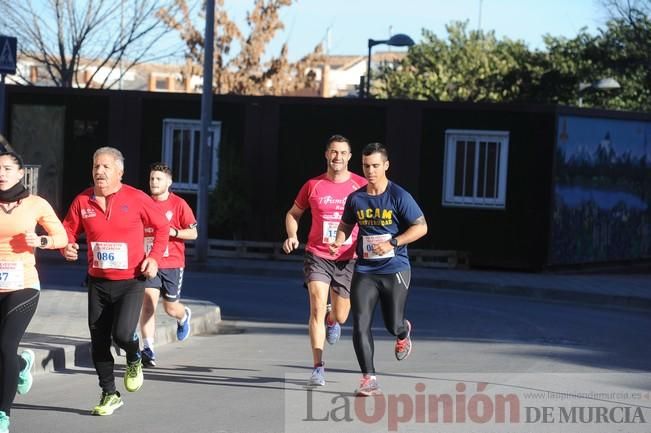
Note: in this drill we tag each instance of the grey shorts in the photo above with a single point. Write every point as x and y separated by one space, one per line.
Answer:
169 282
337 274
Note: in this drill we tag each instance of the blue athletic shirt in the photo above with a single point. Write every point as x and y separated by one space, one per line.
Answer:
381 217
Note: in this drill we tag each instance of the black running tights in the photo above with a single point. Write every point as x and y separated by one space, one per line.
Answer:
366 290
16 311
113 313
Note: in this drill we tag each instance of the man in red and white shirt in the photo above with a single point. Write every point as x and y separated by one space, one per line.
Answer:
113 216
325 196
168 281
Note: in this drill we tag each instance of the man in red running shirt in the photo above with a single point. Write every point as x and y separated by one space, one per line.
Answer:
113 216
183 225
325 196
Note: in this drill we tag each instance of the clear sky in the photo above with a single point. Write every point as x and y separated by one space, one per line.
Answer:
353 22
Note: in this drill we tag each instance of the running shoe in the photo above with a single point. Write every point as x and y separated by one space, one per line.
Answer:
333 332
148 357
108 403
318 377
133 377
368 386
183 330
403 347
25 378
4 422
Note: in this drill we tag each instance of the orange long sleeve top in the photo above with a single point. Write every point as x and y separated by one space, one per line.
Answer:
17 263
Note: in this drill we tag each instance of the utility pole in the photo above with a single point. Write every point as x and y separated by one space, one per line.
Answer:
205 156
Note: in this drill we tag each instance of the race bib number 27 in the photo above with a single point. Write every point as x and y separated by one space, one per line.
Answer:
12 275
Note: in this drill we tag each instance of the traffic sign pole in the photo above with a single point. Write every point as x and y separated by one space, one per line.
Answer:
8 57
2 105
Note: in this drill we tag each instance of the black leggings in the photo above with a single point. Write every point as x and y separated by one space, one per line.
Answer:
16 311
365 291
113 313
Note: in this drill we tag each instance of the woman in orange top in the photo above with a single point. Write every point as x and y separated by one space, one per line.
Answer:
20 212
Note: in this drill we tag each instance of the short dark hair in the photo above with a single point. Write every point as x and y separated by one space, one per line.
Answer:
372 148
13 155
337 139
161 166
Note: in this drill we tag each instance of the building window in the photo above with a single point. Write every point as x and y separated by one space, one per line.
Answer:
181 152
475 168
162 83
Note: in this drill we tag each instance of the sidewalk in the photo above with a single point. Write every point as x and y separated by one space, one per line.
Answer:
611 290
59 332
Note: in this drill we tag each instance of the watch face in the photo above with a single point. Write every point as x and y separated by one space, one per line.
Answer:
43 241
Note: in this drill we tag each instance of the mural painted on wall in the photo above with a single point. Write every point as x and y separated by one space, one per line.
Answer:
602 205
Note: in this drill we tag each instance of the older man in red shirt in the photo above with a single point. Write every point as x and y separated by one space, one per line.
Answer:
113 216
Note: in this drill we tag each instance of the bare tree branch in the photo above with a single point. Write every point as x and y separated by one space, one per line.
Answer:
103 37
244 71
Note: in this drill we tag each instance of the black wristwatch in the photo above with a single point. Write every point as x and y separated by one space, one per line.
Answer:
43 241
393 242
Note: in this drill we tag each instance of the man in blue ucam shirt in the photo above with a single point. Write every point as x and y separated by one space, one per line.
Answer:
388 218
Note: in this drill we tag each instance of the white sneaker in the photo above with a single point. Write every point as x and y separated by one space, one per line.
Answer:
318 377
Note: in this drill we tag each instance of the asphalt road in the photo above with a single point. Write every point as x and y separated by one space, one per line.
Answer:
250 376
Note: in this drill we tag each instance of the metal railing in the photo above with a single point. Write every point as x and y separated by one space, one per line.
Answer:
273 251
30 180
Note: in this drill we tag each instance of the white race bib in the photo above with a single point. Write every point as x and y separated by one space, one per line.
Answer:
149 243
369 241
330 233
110 255
12 275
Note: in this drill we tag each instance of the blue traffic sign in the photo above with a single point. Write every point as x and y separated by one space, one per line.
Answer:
7 54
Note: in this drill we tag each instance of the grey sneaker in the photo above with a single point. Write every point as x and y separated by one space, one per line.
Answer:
403 347
317 378
368 387
332 332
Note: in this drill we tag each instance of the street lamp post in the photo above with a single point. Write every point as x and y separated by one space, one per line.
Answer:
206 144
398 40
601 84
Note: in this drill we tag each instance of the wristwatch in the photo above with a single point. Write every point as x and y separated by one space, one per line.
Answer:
393 242
43 241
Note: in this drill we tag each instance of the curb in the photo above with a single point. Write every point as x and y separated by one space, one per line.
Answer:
60 352
540 293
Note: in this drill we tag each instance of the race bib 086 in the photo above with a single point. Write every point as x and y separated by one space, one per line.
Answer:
110 255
